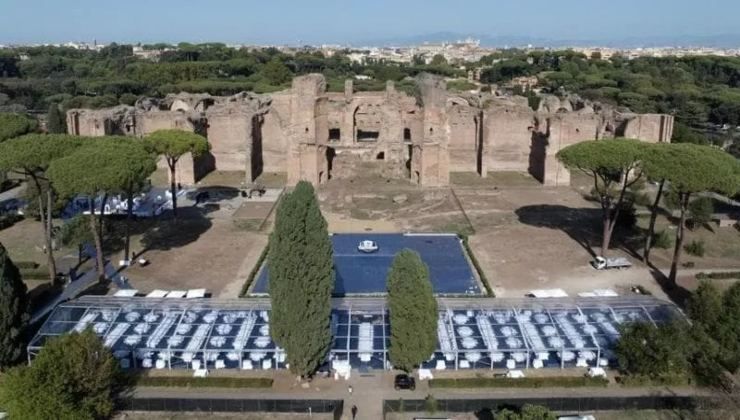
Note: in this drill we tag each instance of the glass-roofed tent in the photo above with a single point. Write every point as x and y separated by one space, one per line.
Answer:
477 333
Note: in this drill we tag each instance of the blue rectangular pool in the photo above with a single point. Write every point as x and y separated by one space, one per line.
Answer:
361 273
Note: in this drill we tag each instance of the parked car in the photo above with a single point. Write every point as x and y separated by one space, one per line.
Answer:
404 381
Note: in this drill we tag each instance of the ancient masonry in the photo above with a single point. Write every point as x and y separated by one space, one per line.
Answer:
314 135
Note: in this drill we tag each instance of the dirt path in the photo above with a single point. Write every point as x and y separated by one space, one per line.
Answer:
234 287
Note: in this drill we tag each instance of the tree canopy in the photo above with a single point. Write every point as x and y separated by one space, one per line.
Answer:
14 125
172 144
614 165
34 152
31 155
413 311
301 280
108 165
74 376
644 349
13 311
105 165
691 169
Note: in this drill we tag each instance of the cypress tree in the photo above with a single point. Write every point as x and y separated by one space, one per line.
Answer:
413 311
55 121
301 280
13 311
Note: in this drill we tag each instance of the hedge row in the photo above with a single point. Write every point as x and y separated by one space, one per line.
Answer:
544 382
665 380
253 273
477 266
208 382
720 275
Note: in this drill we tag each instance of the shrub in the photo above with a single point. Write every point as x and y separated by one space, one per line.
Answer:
645 380
430 404
544 382
695 248
721 275
662 240
209 382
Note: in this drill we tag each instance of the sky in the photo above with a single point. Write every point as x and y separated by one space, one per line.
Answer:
357 21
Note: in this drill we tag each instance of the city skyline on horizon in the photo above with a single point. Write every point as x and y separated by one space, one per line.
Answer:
629 23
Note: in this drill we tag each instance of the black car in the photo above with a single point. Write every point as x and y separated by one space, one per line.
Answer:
404 381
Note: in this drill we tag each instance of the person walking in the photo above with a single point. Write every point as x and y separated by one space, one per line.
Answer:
349 389
354 412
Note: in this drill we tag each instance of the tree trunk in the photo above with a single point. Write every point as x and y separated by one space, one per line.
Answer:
607 233
617 207
51 264
173 186
129 216
101 221
653 219
49 231
684 203
98 243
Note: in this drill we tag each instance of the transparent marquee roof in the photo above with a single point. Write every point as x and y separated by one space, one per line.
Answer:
472 333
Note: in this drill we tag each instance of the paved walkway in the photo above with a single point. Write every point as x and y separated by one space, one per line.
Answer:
74 289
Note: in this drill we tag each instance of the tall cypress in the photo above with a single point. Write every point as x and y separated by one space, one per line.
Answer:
301 280
13 311
55 121
413 311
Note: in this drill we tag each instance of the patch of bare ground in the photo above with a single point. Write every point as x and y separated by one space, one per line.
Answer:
200 253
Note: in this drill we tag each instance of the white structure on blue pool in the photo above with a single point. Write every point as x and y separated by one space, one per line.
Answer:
367 246
472 333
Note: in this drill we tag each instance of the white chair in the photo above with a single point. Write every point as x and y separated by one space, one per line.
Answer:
195 364
160 364
581 362
247 365
146 363
200 373
596 372
220 364
267 364
464 364
537 364
510 364
425 374
441 365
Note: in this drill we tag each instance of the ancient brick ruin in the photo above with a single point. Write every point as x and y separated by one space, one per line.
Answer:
315 135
